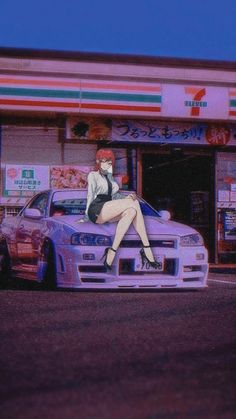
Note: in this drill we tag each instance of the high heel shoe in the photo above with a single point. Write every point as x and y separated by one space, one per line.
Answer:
144 258
104 256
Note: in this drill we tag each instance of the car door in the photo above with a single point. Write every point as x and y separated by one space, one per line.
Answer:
29 233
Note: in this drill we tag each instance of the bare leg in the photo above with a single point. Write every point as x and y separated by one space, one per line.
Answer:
139 225
122 227
122 210
113 210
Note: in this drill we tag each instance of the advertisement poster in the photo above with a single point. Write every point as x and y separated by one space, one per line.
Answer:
230 224
172 132
90 129
147 131
24 180
223 195
226 178
199 207
69 176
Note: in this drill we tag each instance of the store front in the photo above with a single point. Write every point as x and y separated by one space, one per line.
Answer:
184 185
185 168
173 133
198 188
226 207
36 155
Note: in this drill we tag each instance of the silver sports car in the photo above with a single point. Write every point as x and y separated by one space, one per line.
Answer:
47 243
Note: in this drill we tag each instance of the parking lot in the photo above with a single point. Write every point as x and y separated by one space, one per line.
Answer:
166 354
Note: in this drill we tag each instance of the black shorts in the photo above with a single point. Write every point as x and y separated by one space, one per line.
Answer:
96 206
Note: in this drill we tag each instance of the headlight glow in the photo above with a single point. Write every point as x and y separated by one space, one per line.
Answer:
192 240
88 239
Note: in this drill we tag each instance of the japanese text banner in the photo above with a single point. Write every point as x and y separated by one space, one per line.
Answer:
173 132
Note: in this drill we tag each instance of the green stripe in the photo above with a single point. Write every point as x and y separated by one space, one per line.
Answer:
121 97
232 102
12 91
70 94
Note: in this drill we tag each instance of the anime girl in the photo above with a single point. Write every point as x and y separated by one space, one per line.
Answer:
106 204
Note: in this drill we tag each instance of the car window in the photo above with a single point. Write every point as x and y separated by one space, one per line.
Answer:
67 202
75 206
40 202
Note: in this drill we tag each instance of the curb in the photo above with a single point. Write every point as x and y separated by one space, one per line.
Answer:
225 270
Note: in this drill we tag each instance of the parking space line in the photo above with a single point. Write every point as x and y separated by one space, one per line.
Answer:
222 282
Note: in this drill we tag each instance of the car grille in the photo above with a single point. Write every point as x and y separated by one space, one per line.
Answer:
126 267
94 280
92 268
153 243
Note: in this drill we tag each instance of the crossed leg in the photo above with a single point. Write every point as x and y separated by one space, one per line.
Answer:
125 211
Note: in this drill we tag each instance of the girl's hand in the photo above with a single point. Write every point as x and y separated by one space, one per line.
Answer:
132 196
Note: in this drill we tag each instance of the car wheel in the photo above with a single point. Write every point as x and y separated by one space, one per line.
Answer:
48 261
5 265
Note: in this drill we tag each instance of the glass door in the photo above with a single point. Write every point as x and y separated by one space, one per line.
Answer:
226 207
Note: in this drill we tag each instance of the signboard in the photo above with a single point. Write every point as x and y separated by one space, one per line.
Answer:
198 102
148 131
69 176
118 98
232 103
173 132
230 224
24 180
91 129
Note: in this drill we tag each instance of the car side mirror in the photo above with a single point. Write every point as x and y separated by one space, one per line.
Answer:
165 215
33 213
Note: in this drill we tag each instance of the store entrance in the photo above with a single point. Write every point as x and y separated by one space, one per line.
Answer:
182 183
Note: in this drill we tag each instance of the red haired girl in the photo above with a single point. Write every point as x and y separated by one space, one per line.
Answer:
105 204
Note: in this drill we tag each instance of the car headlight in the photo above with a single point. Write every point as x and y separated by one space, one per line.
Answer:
192 240
88 239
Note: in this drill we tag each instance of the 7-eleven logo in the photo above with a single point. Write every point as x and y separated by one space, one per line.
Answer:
196 102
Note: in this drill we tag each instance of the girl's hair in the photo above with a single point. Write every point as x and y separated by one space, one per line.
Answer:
106 154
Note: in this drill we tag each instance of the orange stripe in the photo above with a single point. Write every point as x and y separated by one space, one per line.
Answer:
40 82
91 85
120 107
137 88
37 103
232 93
232 113
76 105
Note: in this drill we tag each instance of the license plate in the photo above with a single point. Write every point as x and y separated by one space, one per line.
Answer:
147 267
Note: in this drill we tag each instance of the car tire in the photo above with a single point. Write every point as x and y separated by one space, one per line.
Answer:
5 266
48 259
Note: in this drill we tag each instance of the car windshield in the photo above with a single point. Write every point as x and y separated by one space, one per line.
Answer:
69 207
77 206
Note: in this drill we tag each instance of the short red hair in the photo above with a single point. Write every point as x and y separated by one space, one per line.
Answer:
105 154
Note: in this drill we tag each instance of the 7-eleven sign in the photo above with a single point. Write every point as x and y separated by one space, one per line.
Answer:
196 99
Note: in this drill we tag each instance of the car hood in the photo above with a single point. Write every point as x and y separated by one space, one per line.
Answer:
154 226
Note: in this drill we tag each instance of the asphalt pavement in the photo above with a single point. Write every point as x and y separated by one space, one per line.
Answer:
122 355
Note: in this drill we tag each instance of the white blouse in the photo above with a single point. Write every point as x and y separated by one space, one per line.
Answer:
97 185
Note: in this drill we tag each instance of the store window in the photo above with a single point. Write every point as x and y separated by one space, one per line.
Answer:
226 207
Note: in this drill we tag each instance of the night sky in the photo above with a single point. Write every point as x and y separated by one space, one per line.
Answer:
169 28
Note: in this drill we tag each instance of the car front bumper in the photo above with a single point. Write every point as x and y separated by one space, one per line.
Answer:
81 267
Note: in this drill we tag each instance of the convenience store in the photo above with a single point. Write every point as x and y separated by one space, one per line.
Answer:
170 122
